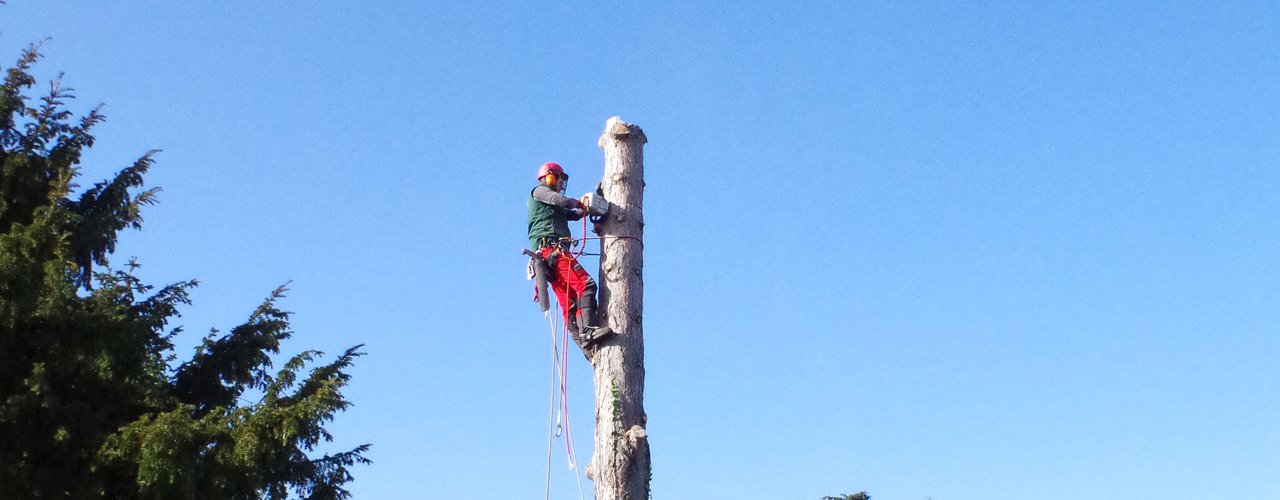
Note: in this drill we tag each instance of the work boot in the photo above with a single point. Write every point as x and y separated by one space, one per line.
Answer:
589 333
589 340
593 334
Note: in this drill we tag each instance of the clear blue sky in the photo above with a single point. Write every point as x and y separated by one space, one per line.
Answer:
997 250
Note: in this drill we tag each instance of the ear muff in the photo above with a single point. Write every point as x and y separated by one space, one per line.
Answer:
549 179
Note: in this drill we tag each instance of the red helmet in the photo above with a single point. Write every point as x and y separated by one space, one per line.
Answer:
551 168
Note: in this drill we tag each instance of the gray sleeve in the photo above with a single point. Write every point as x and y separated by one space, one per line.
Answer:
546 195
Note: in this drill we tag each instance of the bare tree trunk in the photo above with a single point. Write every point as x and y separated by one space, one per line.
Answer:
620 464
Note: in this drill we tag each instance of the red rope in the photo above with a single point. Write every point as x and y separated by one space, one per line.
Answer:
582 242
564 396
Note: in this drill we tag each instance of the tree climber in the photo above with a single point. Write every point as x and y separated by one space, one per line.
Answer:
549 214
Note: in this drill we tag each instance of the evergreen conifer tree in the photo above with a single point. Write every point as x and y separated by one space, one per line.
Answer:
91 402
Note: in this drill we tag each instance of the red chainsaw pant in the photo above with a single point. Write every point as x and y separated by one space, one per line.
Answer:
574 288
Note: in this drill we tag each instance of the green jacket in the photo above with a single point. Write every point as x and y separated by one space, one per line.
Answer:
549 215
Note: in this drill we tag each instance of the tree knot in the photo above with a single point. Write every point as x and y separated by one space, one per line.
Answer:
634 436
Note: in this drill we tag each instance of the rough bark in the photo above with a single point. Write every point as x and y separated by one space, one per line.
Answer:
620 464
